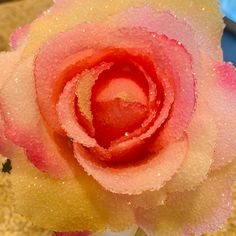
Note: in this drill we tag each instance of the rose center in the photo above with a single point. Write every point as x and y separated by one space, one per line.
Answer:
119 105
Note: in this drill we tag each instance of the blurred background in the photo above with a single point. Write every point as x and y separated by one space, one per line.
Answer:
228 8
15 13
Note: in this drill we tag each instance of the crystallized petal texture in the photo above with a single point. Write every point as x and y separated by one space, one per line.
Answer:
196 12
120 114
194 211
74 205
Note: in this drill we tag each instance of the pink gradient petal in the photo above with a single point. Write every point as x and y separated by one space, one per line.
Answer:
220 92
184 83
202 134
63 63
18 36
67 116
24 127
64 16
7 148
150 174
162 23
202 210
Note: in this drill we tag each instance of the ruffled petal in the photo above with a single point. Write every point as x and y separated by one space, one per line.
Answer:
162 23
195 13
7 69
150 174
64 63
43 147
221 98
68 119
184 102
202 210
202 134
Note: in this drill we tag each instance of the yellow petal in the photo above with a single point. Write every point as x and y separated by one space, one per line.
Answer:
71 205
203 15
204 209
202 134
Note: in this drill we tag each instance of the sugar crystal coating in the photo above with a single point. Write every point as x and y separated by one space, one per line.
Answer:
176 110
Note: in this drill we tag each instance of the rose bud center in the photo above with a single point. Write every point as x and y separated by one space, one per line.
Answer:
119 104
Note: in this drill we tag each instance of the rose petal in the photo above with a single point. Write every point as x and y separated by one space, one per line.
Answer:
47 76
184 102
18 36
148 175
222 100
42 146
66 107
7 148
202 210
67 205
202 133
162 23
7 69
196 13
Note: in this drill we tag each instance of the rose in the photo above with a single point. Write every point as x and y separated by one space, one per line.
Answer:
128 109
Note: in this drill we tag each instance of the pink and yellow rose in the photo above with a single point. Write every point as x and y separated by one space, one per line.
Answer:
117 113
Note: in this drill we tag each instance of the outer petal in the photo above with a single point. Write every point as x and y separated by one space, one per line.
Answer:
67 206
221 98
7 69
150 174
18 36
199 211
43 147
162 23
202 133
196 12
12 58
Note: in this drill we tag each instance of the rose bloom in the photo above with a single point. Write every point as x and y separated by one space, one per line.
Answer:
119 113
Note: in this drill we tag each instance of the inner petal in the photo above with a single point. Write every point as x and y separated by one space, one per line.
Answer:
119 104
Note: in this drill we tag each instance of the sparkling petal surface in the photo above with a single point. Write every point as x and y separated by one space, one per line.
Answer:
18 36
199 211
68 119
148 175
6 147
222 102
71 205
17 103
196 12
184 102
202 134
